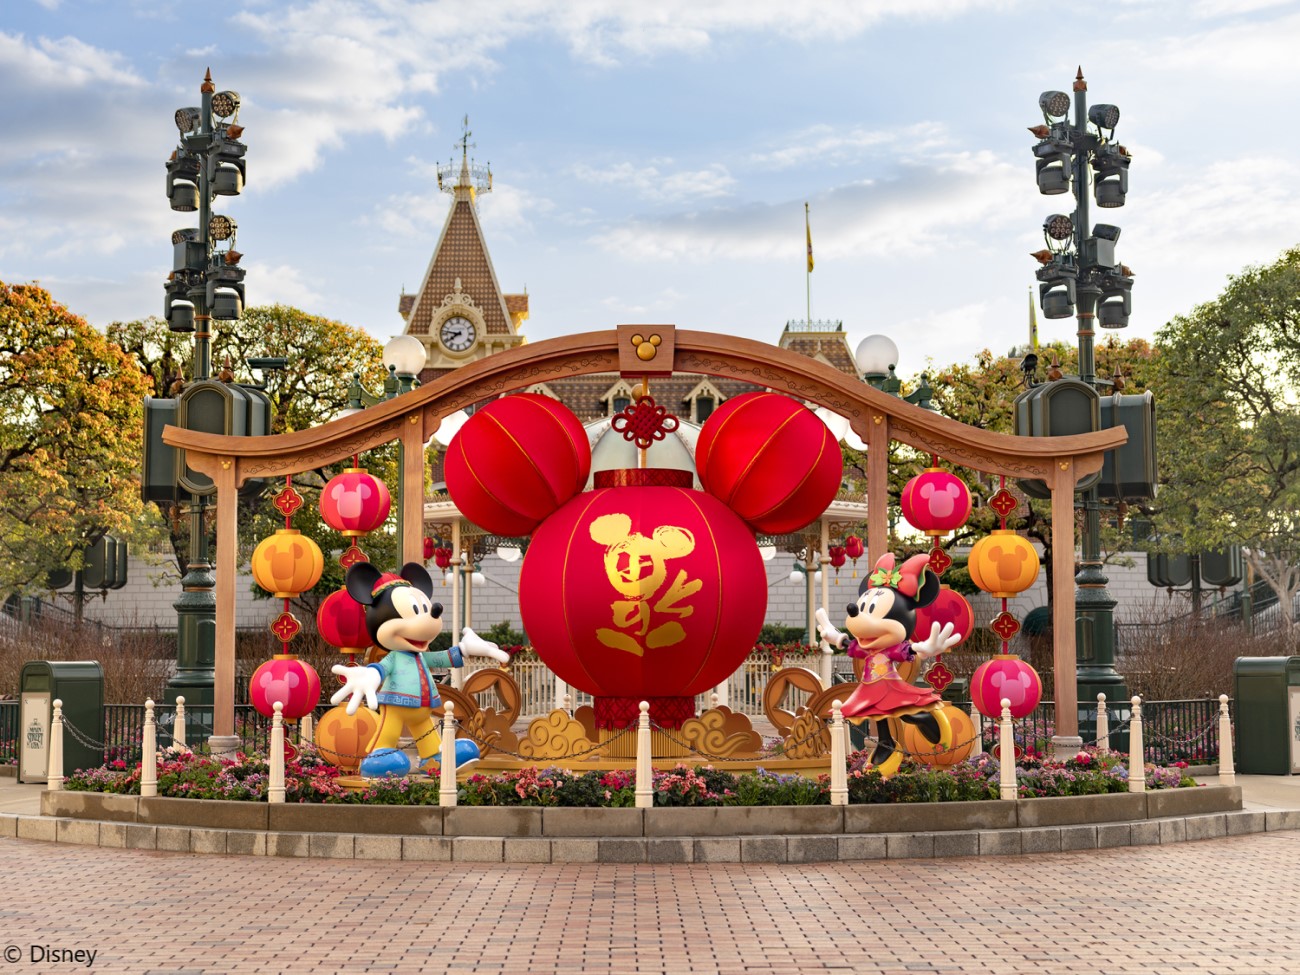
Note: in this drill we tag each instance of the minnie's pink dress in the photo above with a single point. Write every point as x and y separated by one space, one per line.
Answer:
883 693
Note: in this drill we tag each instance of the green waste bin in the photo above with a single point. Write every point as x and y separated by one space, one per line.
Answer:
1267 715
79 684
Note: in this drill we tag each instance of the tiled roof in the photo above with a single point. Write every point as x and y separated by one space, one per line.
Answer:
404 304
517 304
461 254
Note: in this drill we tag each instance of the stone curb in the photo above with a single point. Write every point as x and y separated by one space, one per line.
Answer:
649 849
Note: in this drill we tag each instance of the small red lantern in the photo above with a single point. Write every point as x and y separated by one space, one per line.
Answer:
949 607
836 553
355 502
1005 676
854 549
442 557
341 621
769 459
643 592
292 682
935 502
515 461
429 549
287 563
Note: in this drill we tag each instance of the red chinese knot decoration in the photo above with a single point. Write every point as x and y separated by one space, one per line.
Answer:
769 459
643 422
643 592
515 461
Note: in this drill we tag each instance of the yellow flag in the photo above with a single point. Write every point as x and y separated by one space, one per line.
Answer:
808 229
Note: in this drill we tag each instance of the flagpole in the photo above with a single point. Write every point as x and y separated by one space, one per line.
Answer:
809 265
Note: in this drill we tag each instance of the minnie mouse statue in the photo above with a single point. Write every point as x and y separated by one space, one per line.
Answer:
879 624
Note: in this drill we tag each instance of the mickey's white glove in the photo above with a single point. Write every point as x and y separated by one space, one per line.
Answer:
473 645
359 682
939 641
831 637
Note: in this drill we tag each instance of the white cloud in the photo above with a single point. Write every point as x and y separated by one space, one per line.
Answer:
281 284
653 183
833 146
64 63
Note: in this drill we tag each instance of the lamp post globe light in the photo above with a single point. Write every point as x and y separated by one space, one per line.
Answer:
1082 277
206 284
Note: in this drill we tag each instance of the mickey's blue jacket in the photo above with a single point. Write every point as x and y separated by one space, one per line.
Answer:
407 682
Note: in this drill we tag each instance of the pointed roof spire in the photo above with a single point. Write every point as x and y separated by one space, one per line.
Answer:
207 85
1079 83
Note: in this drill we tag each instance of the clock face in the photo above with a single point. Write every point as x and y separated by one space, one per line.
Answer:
457 334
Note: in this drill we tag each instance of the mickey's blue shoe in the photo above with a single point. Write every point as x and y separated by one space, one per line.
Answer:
386 761
467 754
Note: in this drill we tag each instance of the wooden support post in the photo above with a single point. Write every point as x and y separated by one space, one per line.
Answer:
223 670
1006 755
839 757
412 475
457 673
1137 765
645 794
877 439
275 758
149 753
447 758
1227 769
1063 610
1103 724
54 771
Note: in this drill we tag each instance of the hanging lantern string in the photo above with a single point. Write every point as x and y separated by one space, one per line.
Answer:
1002 486
288 517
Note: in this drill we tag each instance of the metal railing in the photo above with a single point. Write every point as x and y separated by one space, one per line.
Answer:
9 724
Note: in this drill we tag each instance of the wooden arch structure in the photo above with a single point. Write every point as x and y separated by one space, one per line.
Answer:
637 351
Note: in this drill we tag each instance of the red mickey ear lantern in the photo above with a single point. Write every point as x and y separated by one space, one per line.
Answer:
769 459
355 502
854 549
341 622
935 502
949 607
515 461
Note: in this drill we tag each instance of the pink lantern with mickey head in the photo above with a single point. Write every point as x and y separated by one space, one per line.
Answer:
1005 676
935 502
355 502
292 682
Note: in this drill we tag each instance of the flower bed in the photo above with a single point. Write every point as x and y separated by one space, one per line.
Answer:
309 779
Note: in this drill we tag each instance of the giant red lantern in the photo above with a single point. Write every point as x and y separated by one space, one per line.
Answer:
645 591
935 502
1005 676
948 607
515 461
770 460
292 682
355 502
341 621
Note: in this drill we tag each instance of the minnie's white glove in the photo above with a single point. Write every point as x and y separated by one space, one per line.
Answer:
939 641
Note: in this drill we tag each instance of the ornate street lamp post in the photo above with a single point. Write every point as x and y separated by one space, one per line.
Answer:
1081 276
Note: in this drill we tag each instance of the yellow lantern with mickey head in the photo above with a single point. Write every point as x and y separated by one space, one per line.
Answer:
287 563
1003 563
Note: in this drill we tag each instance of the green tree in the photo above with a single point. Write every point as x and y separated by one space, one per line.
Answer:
1229 399
70 432
322 356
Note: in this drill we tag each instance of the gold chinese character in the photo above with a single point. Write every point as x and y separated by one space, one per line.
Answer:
636 567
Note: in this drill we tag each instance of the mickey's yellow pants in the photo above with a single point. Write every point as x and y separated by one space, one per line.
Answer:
420 722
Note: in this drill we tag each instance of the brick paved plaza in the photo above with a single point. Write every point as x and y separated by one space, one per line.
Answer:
1220 906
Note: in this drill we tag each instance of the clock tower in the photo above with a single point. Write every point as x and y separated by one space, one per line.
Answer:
460 313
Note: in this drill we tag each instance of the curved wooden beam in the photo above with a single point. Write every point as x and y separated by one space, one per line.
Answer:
698 352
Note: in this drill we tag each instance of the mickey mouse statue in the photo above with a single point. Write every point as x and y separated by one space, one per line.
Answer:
403 619
878 624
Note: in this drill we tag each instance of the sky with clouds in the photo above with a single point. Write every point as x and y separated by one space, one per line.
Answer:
651 161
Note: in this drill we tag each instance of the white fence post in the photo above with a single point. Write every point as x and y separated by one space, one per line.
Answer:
275 789
1103 724
307 730
561 692
1137 766
1006 754
645 795
178 726
54 772
839 758
1227 770
149 754
447 760
977 720
723 694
